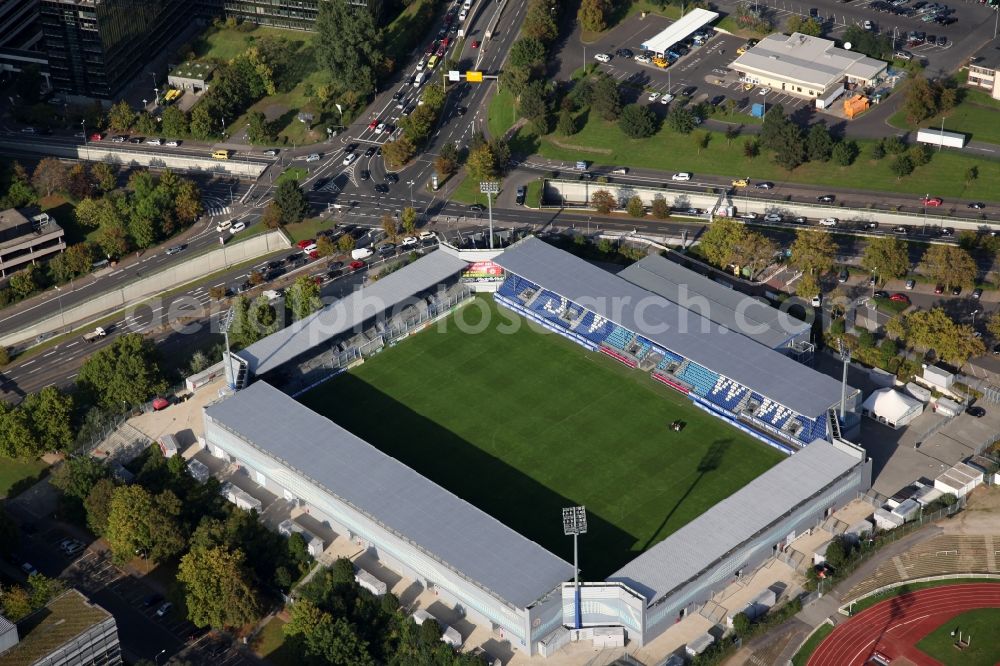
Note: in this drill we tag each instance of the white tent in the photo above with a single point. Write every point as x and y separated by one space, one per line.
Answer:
892 408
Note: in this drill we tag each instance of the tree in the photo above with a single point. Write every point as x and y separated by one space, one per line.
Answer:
345 243
934 329
259 130
566 125
244 330
949 265
79 182
637 121
789 146
218 588
772 125
175 122
24 282
732 131
680 119
837 552
754 252
146 124
124 372
104 175
529 54
398 152
603 201
660 209
121 117
886 256
819 143
272 216
141 523
188 206
328 640
635 207
919 154
534 106
325 246
446 162
900 166
50 412
50 176
604 98
303 297
592 15
701 140
803 24
202 123
482 162
390 227
920 102
720 239
98 505
878 150
77 476
291 201
113 239
813 251
20 193
751 148
539 22
4 356
409 220
741 621
348 46
993 325
16 438
845 152
971 174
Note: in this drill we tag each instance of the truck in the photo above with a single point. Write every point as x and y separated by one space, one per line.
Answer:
418 79
96 334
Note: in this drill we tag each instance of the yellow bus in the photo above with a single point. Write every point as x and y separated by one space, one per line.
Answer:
221 154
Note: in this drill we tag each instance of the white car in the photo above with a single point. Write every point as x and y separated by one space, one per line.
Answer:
763 91
427 235
154 142
224 225
349 158
774 217
653 96
173 143
237 227
309 248
828 222
462 15
602 57
380 128
817 301
644 59
410 240
313 157
666 99
683 175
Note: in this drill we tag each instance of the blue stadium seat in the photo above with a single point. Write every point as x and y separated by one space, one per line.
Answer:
619 338
668 358
701 378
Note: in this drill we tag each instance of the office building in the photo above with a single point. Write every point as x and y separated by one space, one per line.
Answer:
983 71
70 629
95 47
24 240
290 14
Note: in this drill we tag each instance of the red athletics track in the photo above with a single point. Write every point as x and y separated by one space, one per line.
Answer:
893 627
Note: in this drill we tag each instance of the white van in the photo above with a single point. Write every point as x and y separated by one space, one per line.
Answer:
223 225
360 253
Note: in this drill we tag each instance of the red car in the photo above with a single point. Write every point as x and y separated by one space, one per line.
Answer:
939 289
900 298
303 244
932 201
356 265
314 254
373 124
96 136
475 44
160 403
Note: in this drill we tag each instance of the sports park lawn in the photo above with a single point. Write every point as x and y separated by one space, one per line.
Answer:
522 423
603 143
13 470
984 649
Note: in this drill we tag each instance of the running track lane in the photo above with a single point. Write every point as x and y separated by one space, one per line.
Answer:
894 626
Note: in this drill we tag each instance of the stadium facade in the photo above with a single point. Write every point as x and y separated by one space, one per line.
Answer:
732 357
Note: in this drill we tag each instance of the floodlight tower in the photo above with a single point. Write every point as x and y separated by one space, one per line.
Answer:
489 188
226 324
575 524
845 357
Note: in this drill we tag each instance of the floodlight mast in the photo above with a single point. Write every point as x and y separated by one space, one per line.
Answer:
845 357
575 524
227 322
489 188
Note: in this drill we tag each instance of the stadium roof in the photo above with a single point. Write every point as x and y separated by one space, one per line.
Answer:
805 59
383 295
448 528
679 29
725 306
701 543
679 329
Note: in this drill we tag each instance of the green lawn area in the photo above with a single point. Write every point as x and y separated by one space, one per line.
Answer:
64 211
13 470
533 194
981 625
224 44
468 192
501 114
292 173
888 305
802 656
307 228
522 423
604 143
270 644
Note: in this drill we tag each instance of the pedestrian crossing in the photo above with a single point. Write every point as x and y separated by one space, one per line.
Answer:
215 211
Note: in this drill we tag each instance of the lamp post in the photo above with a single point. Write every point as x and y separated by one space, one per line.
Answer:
874 281
574 524
489 188
411 184
83 124
156 660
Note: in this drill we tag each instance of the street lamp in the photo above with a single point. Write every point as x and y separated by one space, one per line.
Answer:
156 660
574 524
874 281
489 188
411 184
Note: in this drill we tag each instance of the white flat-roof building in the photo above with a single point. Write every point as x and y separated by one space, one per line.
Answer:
805 66
680 29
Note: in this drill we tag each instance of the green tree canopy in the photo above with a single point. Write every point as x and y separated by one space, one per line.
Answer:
218 588
141 523
888 257
348 47
637 121
813 251
124 373
949 265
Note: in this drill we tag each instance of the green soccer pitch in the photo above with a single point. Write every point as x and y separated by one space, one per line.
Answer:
524 423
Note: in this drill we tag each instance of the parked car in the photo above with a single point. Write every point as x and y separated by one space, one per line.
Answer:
977 293
910 284
518 199
152 600
602 57
900 298
939 289
410 240
881 294
683 176
774 217
978 205
164 609
955 291
843 276
976 411
932 201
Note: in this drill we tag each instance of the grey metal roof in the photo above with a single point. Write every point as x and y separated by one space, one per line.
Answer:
383 295
727 307
679 329
730 523
806 59
470 541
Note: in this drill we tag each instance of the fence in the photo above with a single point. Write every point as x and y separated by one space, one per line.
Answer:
846 608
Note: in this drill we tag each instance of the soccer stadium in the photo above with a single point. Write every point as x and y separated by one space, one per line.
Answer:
445 414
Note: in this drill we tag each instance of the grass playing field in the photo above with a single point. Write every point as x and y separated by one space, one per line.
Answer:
984 649
524 423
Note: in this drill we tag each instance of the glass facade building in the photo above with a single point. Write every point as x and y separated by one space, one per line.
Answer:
96 46
291 14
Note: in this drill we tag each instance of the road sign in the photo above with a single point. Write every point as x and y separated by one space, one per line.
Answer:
474 77
454 75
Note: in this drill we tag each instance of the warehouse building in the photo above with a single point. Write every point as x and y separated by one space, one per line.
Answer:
807 67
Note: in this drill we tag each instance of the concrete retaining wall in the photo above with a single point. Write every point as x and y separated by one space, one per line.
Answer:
578 193
100 152
196 267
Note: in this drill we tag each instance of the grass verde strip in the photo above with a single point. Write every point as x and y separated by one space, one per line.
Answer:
604 143
520 423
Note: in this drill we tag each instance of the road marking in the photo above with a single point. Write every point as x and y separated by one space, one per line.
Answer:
75 342
50 353
27 363
157 309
